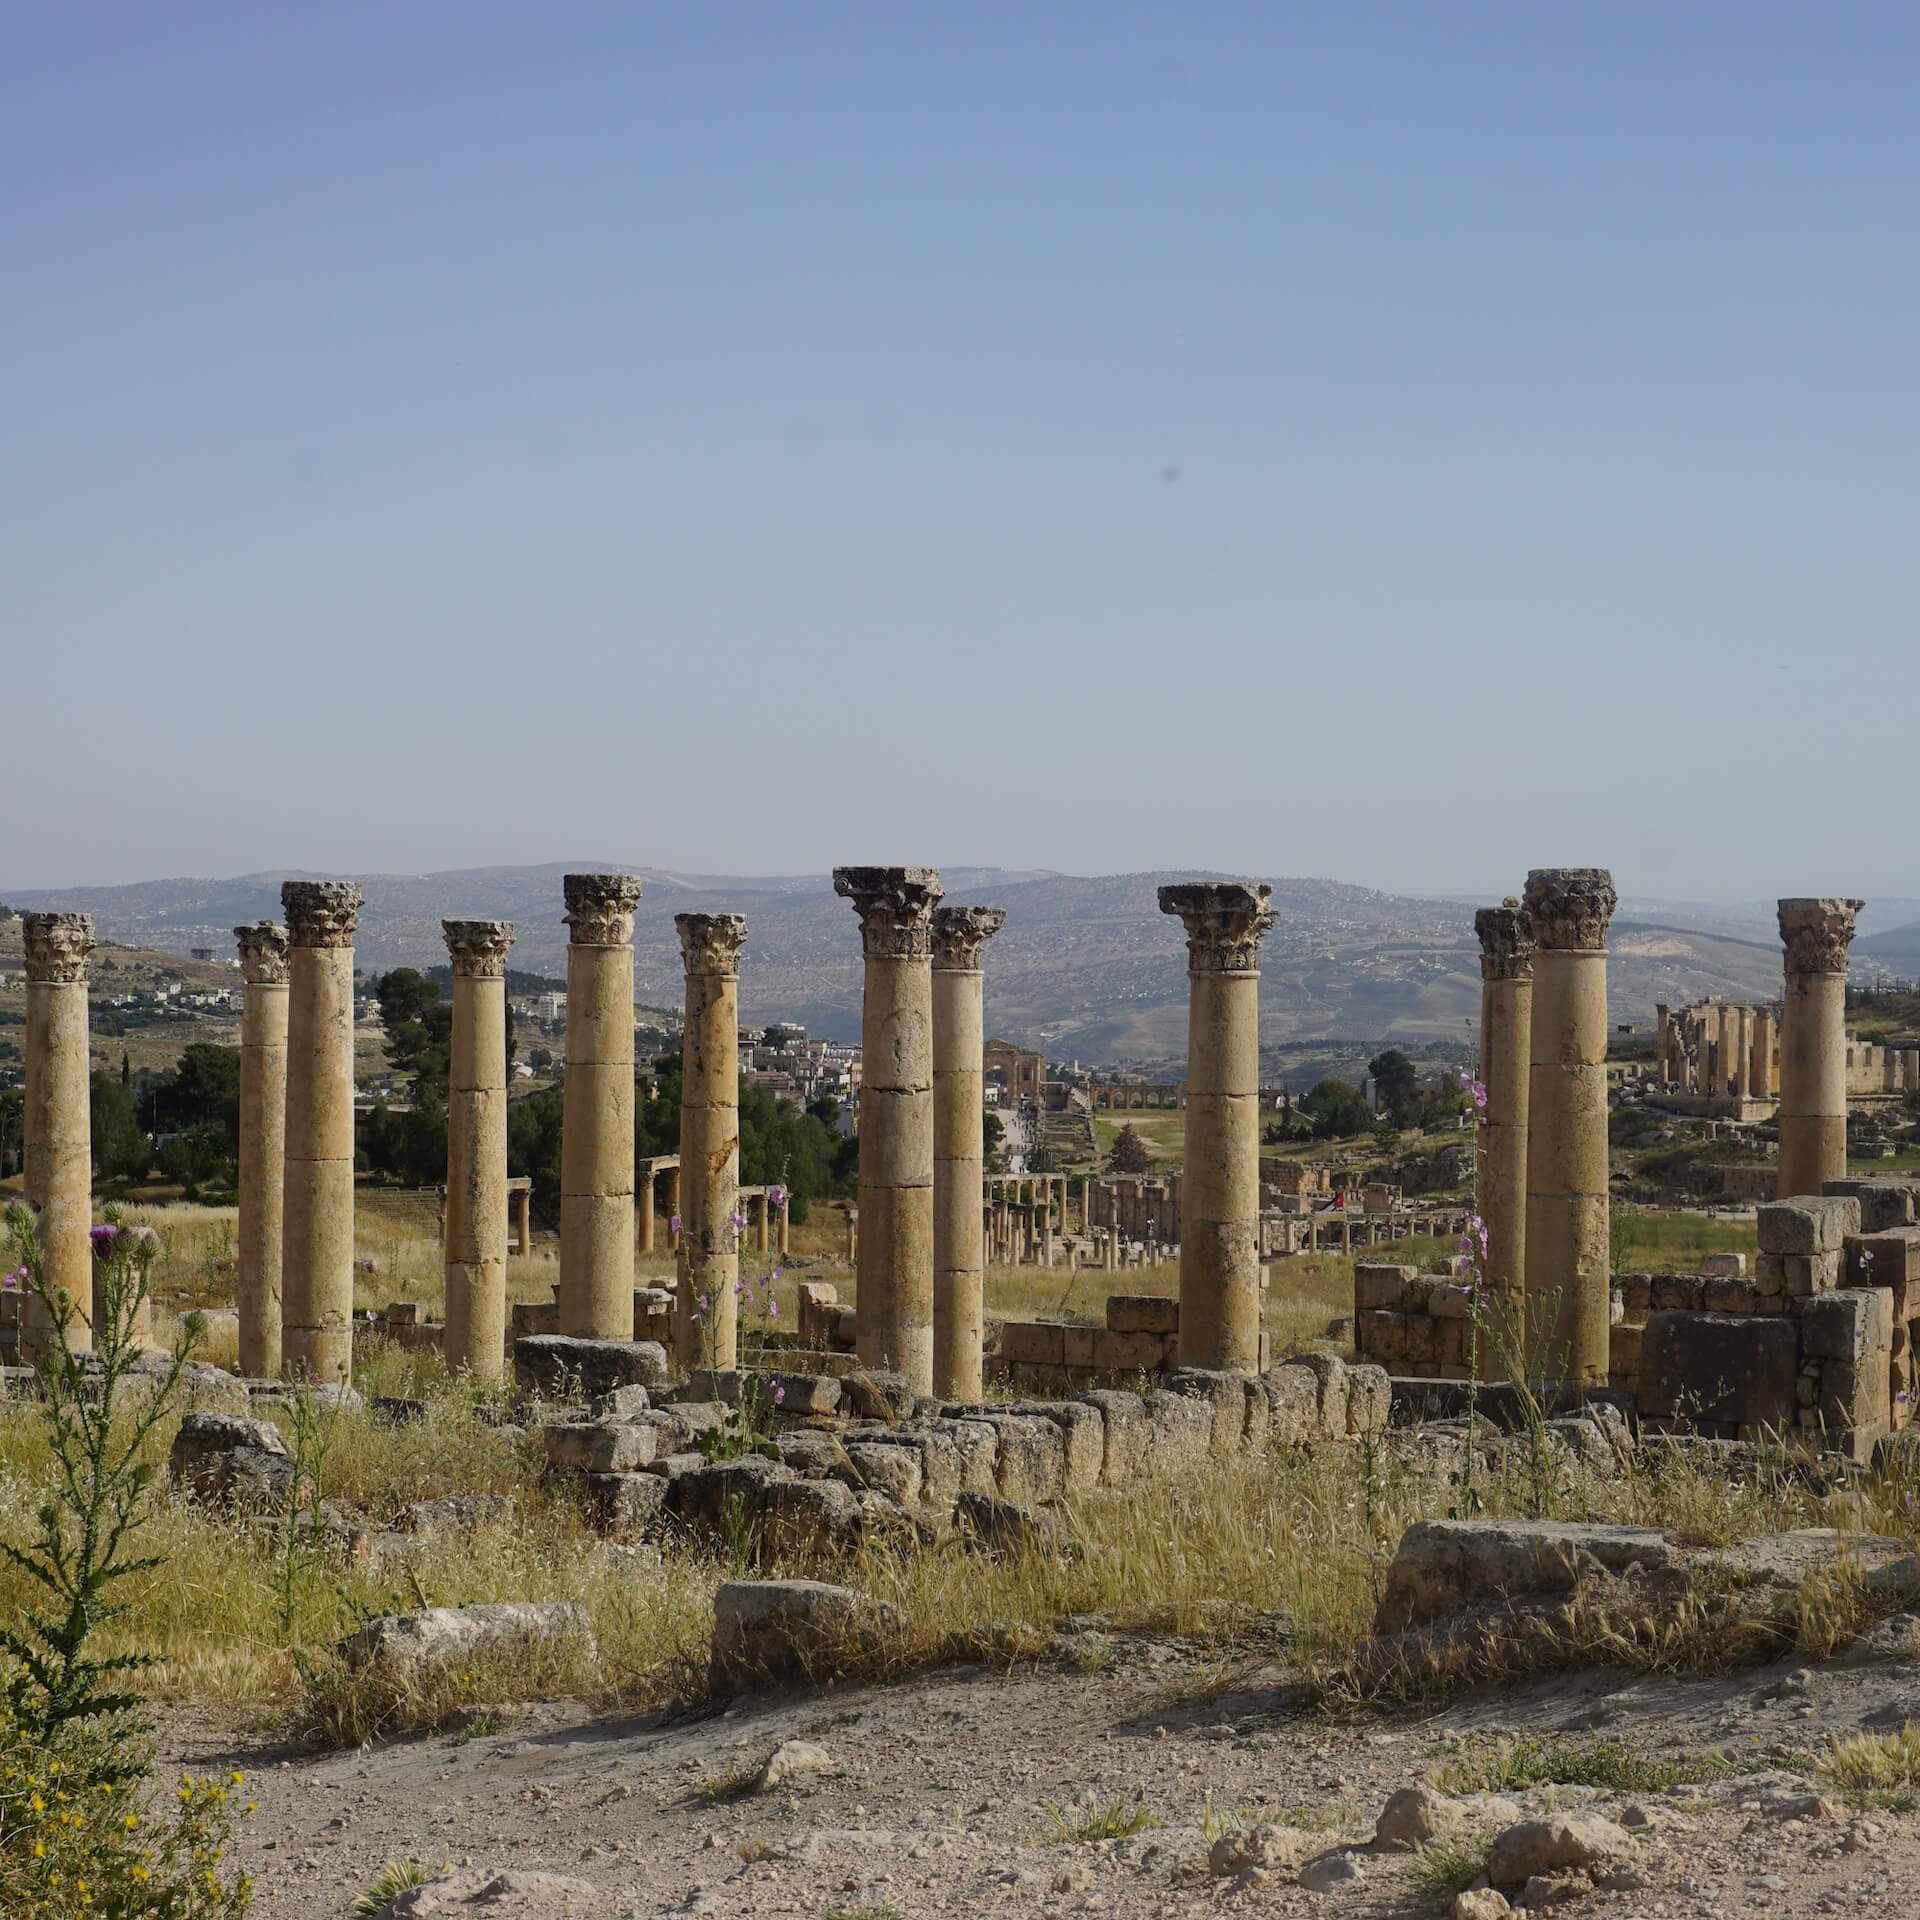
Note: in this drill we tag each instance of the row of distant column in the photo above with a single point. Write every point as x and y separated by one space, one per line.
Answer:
1544 1165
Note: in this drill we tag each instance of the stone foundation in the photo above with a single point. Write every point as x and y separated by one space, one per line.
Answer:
1142 1335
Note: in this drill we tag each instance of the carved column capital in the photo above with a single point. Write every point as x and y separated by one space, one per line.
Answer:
600 908
57 946
1817 934
321 913
1570 908
263 953
711 942
478 948
895 905
959 933
1225 920
1506 941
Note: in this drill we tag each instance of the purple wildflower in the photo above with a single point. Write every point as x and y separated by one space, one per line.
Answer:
777 1196
103 1239
773 1309
779 1395
673 1223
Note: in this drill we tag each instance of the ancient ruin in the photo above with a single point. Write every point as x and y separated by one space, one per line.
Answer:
57 1134
707 1311
959 1253
316 1277
1813 1043
596 1181
895 1297
263 1146
476 1215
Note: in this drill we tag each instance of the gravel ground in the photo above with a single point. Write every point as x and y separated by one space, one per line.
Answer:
941 1795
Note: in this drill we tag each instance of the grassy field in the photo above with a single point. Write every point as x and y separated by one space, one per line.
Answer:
1165 1134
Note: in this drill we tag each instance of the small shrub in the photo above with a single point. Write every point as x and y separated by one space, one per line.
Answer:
394 1879
1876 1769
1114 1822
1518 1765
1448 1867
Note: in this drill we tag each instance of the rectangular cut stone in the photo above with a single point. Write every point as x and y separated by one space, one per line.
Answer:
1293 1406
1852 1405
1623 1361
1142 1313
1730 1293
1807 1223
1677 1292
1182 1434
1031 1343
1082 1433
1884 1204
1127 1436
1723 1266
602 1446
1379 1286
1808 1273
625 1503
1450 1303
1076 1347
1130 1352
1636 1294
1223 1395
1719 1367
1369 1401
1846 1325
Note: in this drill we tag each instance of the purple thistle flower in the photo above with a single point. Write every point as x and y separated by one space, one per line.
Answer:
673 1223
773 1308
706 1303
103 1239
779 1395
777 1196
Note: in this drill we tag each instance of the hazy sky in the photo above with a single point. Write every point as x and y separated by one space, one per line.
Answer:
1406 443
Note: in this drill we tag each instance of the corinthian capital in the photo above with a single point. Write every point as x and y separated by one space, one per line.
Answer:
1570 907
1506 941
711 942
895 905
600 908
263 953
1817 934
478 948
57 946
320 913
1225 921
959 933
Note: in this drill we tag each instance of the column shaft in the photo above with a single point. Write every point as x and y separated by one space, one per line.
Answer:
596 1124
1220 1233
1817 934
894 1288
1569 1282
263 1146
1506 1040
316 1254
707 1308
57 1121
476 1247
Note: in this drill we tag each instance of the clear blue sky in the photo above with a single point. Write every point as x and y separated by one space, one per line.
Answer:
1408 443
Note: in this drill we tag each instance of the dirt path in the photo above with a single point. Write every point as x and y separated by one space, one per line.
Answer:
941 1801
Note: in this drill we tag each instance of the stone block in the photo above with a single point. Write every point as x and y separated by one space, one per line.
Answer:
407 1642
1293 1405
1807 1223
1142 1313
956 1457
782 1629
798 1393
1182 1429
1884 1204
803 1514
1082 1436
1730 1293
720 1494
1636 1294
601 1446
1379 1285
557 1363
625 1504
1676 1292
889 1469
1369 1401
1130 1352
1031 1343
1809 1273
1847 1325
876 1394
1890 1259
1126 1436
226 1459
1076 1347
1030 1464
1723 1266
1623 1355
1330 1376
1852 1405
1718 1367
1224 1396
1450 1303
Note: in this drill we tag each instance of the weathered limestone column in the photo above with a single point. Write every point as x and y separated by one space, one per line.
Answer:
710 945
523 1222
58 1125
263 1145
643 1205
959 1153
762 1215
1742 1049
596 1119
1506 1041
1567 1158
894 1323
1220 1240
316 1247
476 1246
673 1208
784 1239
1813 1043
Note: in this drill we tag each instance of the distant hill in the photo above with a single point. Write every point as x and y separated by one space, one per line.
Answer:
1896 951
1087 966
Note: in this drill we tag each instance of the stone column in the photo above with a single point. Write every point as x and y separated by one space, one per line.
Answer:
476 1246
959 1155
1567 1159
1742 1049
596 1119
784 1240
57 1122
1220 1240
1813 1043
316 1245
762 1215
894 1326
1506 1040
643 1203
263 1145
523 1222
707 1336
673 1208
